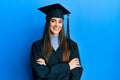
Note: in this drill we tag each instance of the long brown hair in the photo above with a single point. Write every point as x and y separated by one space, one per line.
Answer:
47 48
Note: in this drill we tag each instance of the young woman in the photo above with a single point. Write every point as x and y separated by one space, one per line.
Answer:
55 56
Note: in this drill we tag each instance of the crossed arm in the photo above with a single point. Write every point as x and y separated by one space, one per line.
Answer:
73 63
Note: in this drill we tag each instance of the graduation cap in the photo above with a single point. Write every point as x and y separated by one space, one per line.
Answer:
56 10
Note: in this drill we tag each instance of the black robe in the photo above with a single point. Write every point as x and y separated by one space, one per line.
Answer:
55 69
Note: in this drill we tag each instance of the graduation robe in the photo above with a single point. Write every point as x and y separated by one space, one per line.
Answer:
56 69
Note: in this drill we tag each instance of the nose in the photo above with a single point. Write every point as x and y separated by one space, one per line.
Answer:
57 24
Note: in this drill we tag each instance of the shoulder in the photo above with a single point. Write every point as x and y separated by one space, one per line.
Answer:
37 48
73 46
38 43
72 43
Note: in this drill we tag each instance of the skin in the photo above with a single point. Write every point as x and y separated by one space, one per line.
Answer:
55 27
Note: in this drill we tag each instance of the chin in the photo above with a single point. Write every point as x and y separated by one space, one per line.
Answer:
56 32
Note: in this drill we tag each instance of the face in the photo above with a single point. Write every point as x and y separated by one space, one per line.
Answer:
55 26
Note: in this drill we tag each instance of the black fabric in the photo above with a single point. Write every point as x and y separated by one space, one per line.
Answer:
55 69
54 10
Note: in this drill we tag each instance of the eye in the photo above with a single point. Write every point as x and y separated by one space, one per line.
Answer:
60 21
52 20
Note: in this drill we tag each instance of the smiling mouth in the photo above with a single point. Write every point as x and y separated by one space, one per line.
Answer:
56 29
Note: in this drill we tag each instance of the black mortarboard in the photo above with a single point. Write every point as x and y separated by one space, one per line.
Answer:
56 10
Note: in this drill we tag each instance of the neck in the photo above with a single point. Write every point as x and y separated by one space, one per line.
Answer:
55 41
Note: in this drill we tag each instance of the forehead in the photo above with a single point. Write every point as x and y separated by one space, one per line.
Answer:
55 18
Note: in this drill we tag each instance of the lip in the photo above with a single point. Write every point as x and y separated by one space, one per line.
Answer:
56 29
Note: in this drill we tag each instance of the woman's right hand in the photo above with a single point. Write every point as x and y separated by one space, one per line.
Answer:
74 63
41 61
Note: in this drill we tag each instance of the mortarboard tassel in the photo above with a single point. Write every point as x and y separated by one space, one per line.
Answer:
68 31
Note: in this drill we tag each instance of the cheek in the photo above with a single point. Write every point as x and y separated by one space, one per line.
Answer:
50 28
51 24
61 25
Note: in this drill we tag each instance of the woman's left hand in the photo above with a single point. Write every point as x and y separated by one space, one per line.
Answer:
41 61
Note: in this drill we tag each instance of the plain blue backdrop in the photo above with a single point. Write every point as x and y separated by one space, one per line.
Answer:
94 25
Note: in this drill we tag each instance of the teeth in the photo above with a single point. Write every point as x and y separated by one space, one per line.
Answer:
56 28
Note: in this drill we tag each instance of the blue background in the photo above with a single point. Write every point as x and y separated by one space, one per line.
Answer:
94 25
